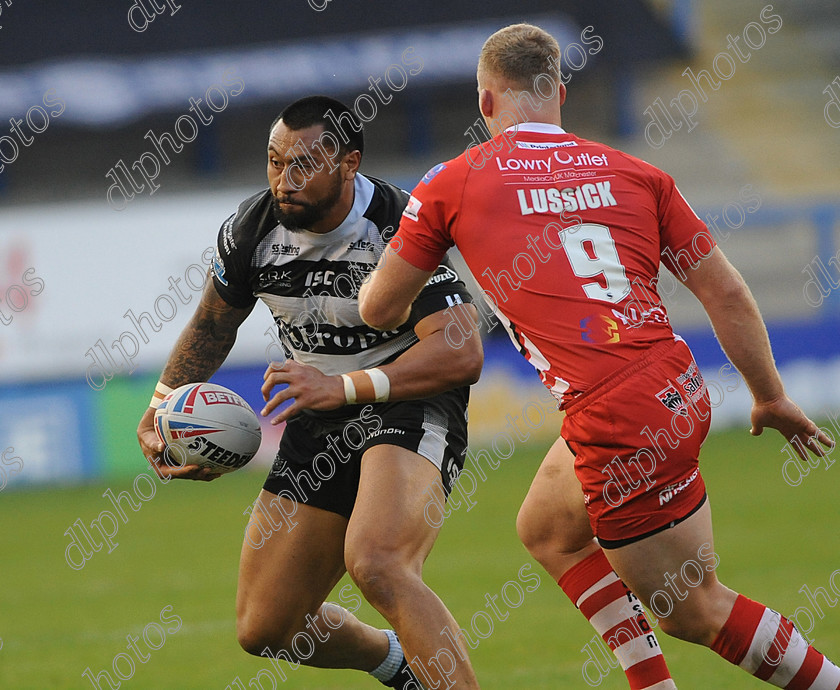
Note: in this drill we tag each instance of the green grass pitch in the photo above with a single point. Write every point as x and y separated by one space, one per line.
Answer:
181 550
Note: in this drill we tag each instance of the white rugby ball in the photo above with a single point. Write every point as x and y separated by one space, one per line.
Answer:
207 425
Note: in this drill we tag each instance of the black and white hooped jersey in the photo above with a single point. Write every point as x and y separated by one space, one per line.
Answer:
311 281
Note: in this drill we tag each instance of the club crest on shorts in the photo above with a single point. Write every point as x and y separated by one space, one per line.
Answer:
672 399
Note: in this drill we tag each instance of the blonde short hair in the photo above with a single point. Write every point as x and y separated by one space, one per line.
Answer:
519 53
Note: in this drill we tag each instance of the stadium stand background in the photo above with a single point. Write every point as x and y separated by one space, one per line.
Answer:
763 133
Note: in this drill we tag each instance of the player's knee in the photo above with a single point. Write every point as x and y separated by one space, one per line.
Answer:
381 575
254 636
694 624
250 638
688 629
539 534
529 528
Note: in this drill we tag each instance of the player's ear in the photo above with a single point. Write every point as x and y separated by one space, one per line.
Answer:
486 103
561 93
350 164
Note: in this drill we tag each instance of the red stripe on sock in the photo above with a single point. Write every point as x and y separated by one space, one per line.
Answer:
775 653
733 640
622 633
603 597
580 577
809 670
647 673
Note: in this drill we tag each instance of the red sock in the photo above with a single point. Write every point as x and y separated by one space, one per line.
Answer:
768 646
615 612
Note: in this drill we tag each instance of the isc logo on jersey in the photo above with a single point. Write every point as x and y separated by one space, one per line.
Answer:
554 200
315 278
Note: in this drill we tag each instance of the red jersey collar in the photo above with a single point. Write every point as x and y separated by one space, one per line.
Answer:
537 127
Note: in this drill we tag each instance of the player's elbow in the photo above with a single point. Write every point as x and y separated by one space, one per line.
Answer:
375 318
728 293
472 373
468 360
380 315
379 319
717 283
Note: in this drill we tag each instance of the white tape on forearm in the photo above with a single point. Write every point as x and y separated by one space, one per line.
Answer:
161 391
349 389
381 384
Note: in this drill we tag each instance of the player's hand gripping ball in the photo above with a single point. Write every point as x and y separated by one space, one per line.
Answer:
207 425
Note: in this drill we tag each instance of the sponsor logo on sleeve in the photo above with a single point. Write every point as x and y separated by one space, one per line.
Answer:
227 235
412 208
429 176
219 269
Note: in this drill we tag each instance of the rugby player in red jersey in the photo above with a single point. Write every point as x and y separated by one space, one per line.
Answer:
565 236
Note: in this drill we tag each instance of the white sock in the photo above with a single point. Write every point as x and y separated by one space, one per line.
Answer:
393 660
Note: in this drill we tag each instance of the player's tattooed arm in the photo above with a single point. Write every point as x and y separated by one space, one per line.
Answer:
200 350
206 340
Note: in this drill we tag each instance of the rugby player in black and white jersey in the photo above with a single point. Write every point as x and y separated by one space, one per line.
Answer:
360 451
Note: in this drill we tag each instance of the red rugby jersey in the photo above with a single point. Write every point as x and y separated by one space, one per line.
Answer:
565 237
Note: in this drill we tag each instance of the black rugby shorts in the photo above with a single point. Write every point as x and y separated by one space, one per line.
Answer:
319 458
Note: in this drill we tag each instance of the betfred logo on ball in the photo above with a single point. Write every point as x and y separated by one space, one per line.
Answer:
207 425
222 398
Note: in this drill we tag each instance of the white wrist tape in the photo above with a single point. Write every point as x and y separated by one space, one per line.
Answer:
161 391
349 389
381 384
